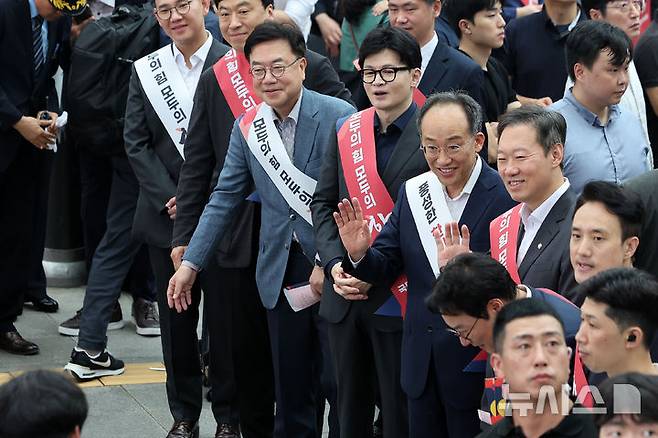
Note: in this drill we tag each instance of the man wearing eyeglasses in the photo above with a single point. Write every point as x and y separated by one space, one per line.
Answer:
442 387
278 148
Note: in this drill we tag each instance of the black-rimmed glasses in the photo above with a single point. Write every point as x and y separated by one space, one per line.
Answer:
459 334
182 9
388 74
259 72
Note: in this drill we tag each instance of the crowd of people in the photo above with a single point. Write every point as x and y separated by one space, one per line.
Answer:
452 235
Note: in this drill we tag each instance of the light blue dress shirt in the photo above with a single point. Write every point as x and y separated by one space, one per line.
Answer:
44 28
615 152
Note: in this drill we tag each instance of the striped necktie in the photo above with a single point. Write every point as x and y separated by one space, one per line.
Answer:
38 57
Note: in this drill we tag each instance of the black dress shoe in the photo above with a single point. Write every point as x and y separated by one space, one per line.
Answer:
13 342
43 304
226 430
184 429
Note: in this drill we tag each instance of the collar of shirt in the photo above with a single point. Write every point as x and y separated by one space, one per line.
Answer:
589 116
33 9
198 57
400 123
426 53
528 291
540 213
294 112
549 22
468 188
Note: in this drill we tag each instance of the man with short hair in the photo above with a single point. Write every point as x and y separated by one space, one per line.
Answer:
604 142
360 339
458 187
619 321
646 187
278 147
532 356
42 403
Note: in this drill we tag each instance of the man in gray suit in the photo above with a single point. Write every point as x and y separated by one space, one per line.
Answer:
278 146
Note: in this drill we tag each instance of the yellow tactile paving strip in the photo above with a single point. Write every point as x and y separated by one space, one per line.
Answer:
135 374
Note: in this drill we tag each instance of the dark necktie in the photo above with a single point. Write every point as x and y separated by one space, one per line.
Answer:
38 56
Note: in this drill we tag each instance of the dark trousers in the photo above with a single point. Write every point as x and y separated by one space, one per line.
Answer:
366 355
18 200
112 259
303 375
96 173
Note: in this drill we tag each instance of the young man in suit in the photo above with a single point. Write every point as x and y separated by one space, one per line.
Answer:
246 367
32 40
532 239
360 339
459 187
278 147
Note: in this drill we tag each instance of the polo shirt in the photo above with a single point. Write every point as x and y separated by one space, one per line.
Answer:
534 55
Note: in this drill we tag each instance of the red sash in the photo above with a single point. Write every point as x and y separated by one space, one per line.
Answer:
419 98
232 74
356 144
504 235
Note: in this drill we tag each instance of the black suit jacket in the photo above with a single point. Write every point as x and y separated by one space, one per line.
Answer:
155 160
20 95
210 128
547 263
406 161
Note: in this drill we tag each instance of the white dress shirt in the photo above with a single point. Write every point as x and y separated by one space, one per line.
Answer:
457 204
191 75
532 220
426 53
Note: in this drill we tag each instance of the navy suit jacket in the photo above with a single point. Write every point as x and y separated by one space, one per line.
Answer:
20 94
398 250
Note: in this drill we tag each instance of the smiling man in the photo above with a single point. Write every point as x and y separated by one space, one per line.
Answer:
278 146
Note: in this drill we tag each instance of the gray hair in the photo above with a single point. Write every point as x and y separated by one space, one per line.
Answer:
471 108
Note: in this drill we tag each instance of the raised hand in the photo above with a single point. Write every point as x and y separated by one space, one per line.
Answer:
451 243
353 228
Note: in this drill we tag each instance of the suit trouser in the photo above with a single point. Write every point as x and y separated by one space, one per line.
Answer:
303 375
112 259
433 414
96 174
366 354
18 194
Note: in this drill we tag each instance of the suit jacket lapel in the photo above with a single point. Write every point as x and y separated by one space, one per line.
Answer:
479 199
217 50
307 125
547 232
435 70
407 146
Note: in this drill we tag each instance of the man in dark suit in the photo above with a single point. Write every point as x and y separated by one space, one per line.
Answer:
360 340
247 359
32 37
278 146
156 158
459 187
532 240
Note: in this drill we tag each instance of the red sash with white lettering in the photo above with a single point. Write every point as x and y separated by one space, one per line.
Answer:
504 235
419 98
356 144
232 74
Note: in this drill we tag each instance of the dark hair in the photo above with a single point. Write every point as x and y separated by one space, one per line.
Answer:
625 398
272 31
631 296
352 9
265 3
44 404
466 10
600 5
517 309
472 109
466 285
397 40
550 126
586 41
623 203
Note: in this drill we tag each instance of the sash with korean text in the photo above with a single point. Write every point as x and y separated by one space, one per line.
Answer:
356 145
265 143
430 211
232 74
165 88
504 236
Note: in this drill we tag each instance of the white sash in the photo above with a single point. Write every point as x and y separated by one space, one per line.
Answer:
265 143
430 210
166 90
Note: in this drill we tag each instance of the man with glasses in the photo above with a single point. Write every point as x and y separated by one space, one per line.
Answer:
361 338
442 396
278 148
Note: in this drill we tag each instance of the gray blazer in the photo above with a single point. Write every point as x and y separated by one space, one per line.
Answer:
315 127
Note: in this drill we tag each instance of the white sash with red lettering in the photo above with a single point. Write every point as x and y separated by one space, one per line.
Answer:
265 143
430 211
166 90
232 74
